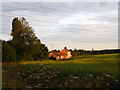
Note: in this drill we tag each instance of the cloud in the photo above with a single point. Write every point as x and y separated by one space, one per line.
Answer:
67 24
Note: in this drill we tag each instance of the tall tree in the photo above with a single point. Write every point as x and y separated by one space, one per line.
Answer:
24 39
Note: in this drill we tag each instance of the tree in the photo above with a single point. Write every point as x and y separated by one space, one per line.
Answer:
24 40
42 53
8 53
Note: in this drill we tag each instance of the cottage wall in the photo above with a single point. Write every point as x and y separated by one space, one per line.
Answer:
69 54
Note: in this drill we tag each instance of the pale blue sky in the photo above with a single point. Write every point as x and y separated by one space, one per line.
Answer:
73 24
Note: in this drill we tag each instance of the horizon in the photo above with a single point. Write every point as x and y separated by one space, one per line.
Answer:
89 49
75 25
75 48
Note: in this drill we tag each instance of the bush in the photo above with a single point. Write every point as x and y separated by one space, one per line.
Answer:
8 53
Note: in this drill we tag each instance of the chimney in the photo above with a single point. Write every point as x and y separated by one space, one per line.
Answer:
65 47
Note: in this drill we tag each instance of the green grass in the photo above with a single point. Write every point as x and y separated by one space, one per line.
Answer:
100 66
80 69
88 59
106 63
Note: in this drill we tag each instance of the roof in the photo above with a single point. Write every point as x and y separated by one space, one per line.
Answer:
62 52
56 53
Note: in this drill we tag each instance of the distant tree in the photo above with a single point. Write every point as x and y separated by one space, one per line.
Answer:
56 50
92 51
24 40
8 53
74 53
83 52
71 50
44 51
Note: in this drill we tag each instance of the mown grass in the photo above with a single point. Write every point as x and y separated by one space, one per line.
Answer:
91 71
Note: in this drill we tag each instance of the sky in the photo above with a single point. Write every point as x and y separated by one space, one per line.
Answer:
80 25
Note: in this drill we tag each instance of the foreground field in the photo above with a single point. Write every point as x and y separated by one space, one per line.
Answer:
91 71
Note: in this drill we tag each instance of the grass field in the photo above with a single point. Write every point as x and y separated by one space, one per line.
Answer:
90 71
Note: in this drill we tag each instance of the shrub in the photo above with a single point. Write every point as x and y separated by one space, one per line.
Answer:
8 53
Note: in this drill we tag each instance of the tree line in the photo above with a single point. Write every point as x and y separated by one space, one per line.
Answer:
24 44
77 52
